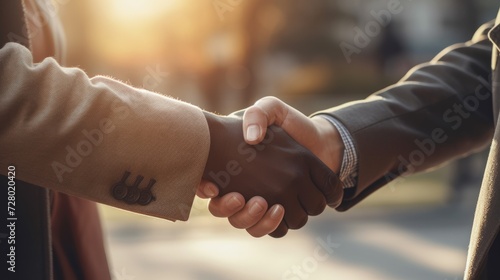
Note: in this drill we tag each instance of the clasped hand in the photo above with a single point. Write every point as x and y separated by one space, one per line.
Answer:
271 155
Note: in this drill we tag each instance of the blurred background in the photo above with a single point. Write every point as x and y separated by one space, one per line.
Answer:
223 55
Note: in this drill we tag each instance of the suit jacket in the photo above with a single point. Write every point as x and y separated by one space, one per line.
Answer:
86 137
440 110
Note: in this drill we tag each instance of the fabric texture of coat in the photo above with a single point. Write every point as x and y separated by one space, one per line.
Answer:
84 140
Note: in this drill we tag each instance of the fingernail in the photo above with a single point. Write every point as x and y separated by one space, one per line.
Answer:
276 212
255 209
253 132
233 203
209 191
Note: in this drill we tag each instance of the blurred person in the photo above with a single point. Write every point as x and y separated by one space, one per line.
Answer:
391 52
234 52
466 173
440 110
67 140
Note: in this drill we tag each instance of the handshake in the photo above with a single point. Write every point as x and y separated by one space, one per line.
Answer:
271 155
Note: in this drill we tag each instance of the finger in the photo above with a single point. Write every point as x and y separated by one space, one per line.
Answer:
280 231
295 216
266 111
327 182
269 222
207 189
297 221
272 111
312 200
253 211
227 205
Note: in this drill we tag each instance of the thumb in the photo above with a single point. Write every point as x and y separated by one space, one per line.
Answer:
272 111
265 112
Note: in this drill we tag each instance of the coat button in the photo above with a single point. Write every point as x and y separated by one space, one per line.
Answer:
119 190
145 198
133 195
146 194
133 191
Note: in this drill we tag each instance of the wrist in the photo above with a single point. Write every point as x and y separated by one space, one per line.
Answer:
213 126
225 134
330 147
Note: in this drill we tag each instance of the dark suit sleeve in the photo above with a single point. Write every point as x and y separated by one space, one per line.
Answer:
439 111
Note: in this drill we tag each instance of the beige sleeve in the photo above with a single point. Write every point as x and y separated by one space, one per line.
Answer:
78 135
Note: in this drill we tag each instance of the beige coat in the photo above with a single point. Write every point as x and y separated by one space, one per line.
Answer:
79 135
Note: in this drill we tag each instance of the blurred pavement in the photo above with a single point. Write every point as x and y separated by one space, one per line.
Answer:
373 241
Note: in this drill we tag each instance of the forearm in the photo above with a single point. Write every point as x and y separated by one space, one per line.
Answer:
330 147
438 111
77 135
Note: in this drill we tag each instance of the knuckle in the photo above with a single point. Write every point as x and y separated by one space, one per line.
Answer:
252 110
318 209
267 99
296 223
